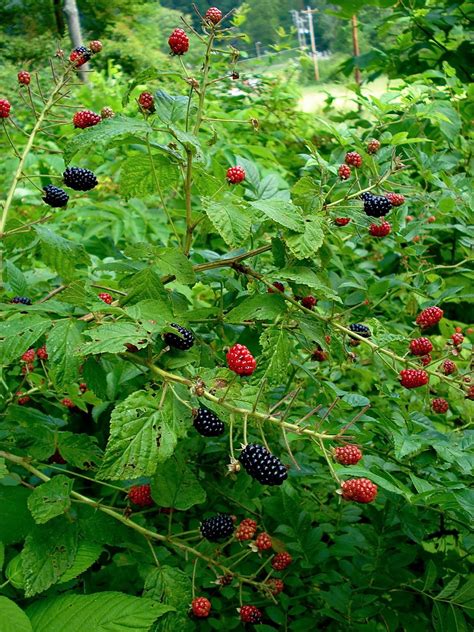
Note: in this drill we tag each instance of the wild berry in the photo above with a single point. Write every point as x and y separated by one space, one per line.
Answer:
107 112
440 405
178 42
106 297
380 230
217 528
79 56
140 495
22 398
318 355
95 46
79 179
57 458
409 218
373 146
413 378
470 392
147 101
262 465
275 585
29 367
421 346
29 356
240 360
246 530
55 196
309 302
426 359
68 403
342 221
281 560
396 199
22 300
183 342
448 367
83 387
347 454
344 172
353 158
429 317
375 205
42 353
208 423
431 219
235 175
5 108
250 614
225 580
263 542
24 78
457 339
416 239
279 287
85 118
201 607
361 490
362 330
213 15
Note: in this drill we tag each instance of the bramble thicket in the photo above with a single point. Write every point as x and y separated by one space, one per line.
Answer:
236 338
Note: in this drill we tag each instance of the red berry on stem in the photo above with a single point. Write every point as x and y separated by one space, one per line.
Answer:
353 158
429 317
95 46
178 42
85 118
279 287
4 108
24 78
276 585
79 56
42 353
361 490
413 378
280 561
319 355
380 230
448 367
140 495
29 356
240 360
235 175
246 529
431 219
263 542
68 403
347 454
426 359
146 100
213 15
309 302
342 221
344 172
106 297
421 346
409 218
440 405
201 607
470 393
83 387
397 199
457 339
22 399
250 614
373 146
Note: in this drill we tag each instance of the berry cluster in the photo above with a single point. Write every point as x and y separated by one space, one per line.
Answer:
246 530
217 527
213 15
22 300
183 342
250 614
375 205
413 378
281 561
354 159
54 196
208 423
106 297
140 495
24 78
235 175
85 118
79 179
421 346
263 466
440 405
146 101
347 454
380 230
178 42
344 172
201 607
395 199
342 221
362 330
4 108
360 490
263 542
240 360
373 146
429 317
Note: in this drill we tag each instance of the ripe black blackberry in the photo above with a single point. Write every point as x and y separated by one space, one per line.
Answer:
54 196
183 342
362 330
262 465
79 179
375 205
208 423
24 300
217 528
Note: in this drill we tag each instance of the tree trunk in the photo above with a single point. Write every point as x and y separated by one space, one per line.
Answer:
59 17
74 26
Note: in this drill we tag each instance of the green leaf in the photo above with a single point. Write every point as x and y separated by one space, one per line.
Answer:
15 279
18 334
79 450
175 485
257 307
281 211
50 499
170 109
430 576
16 520
305 276
107 132
141 175
307 193
48 552
170 586
450 588
60 254
98 612
64 338
87 554
141 436
276 352
12 618
145 285
112 338
231 219
172 261
305 244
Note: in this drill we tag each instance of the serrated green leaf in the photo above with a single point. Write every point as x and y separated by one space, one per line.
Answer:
305 244
18 334
430 576
50 499
48 552
175 485
141 175
307 193
141 436
112 338
15 279
276 352
305 276
173 587
169 108
281 211
87 554
60 254
12 618
231 219
79 450
64 338
257 307
172 261
98 612
145 285
450 588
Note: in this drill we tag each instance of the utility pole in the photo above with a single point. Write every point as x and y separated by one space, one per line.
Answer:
309 13
257 47
355 44
298 22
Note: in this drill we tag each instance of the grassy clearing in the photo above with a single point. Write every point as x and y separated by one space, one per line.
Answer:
314 97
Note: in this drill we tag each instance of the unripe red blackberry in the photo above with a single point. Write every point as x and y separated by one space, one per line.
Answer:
140 495
275 585
263 542
396 199
95 46
470 393
373 146
361 490
68 403
24 78
347 454
246 530
431 219
79 56
29 356
107 112
279 287
106 297
83 387
380 230
147 101
426 359
213 15
344 172
22 399
413 378
429 317
201 607
318 355
42 353
85 118
178 42
353 158
250 614
421 346
409 218
448 367
240 360
309 302
342 221
457 339
235 175
5 108
440 405
280 561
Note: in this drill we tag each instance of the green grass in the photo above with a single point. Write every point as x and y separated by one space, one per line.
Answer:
313 97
